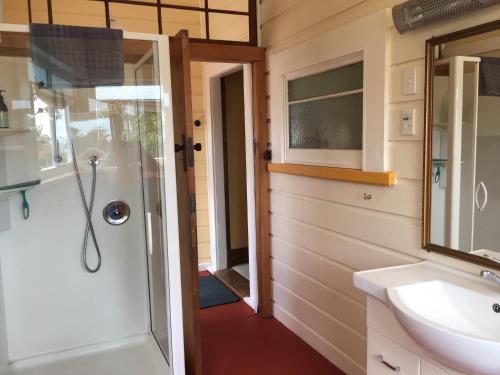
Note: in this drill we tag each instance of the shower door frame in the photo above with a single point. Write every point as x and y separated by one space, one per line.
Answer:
171 242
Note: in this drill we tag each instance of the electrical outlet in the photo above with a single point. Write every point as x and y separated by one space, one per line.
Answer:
408 122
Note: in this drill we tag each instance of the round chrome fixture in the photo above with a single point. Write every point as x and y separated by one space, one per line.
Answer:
94 160
116 212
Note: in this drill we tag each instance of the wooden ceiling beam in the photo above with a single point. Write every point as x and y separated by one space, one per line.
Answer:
214 52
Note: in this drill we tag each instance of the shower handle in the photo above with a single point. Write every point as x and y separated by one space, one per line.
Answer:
482 206
149 233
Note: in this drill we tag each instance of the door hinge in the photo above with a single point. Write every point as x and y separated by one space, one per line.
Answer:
192 208
190 152
192 203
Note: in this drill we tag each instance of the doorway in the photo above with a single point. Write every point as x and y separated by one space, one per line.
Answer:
231 178
252 60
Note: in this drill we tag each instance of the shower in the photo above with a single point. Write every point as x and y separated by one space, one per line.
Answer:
98 220
88 206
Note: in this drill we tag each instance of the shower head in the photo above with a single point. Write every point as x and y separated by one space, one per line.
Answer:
94 160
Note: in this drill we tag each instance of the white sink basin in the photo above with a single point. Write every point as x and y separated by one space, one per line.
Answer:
457 324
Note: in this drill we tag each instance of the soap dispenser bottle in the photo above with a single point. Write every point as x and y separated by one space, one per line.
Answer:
4 112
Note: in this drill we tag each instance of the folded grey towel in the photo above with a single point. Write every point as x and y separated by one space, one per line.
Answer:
489 76
73 56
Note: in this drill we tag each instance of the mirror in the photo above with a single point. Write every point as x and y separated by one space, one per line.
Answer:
462 145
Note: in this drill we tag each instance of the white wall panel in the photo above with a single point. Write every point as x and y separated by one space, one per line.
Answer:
340 335
371 226
350 312
407 159
351 252
61 306
322 345
325 230
400 199
299 259
339 277
4 349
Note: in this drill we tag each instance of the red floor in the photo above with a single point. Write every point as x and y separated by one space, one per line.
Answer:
236 342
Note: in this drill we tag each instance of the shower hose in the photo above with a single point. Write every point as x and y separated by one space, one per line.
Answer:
89 228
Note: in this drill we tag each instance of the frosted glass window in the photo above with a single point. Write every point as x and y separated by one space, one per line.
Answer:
335 123
325 110
346 78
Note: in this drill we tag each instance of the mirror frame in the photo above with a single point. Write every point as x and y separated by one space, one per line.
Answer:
429 86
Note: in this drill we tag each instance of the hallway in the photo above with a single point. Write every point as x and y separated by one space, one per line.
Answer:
236 341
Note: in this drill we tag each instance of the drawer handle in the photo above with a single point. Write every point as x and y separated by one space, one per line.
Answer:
382 360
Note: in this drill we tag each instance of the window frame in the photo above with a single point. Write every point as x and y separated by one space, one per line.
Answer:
203 9
323 157
368 34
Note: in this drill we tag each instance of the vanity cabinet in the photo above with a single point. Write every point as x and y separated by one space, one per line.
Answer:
386 357
392 351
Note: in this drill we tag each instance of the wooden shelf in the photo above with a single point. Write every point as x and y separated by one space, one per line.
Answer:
10 132
338 174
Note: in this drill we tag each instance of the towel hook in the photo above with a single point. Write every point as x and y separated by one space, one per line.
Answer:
437 176
26 206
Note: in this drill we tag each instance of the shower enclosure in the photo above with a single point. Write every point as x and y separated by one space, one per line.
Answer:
61 306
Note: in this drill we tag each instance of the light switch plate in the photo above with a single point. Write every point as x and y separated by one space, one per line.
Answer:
410 81
408 121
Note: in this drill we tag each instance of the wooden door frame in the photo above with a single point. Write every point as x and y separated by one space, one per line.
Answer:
226 175
186 207
182 53
213 78
255 56
242 254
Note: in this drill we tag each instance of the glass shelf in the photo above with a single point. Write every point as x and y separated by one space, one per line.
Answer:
9 190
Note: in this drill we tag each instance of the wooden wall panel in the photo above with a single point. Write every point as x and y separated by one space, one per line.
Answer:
330 301
367 225
293 19
406 159
399 199
200 163
351 252
345 339
321 269
322 345
324 230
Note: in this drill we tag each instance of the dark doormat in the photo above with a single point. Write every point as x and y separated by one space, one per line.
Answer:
215 293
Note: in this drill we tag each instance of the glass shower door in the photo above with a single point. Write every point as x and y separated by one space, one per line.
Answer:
151 151
487 179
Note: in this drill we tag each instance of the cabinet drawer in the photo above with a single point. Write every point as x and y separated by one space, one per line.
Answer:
388 358
429 369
